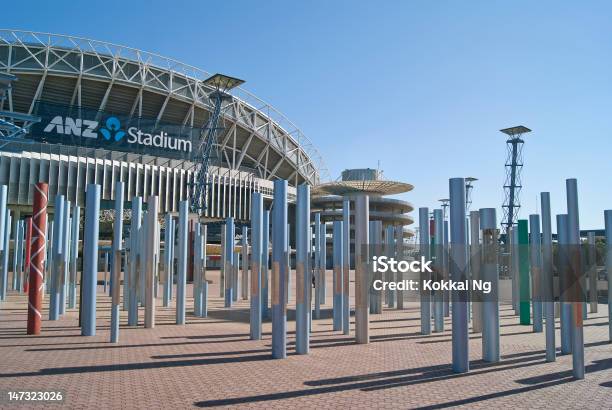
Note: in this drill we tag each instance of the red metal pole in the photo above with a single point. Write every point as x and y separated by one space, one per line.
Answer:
28 253
36 247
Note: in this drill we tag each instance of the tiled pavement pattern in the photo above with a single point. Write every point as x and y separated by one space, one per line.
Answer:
212 362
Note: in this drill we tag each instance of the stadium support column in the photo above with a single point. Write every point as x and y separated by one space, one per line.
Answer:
362 282
608 222
116 262
346 253
279 270
489 273
228 263
245 263
460 346
576 279
424 245
547 277
302 268
167 259
317 267
523 269
135 260
38 245
475 269
58 225
256 245
90 260
181 282
265 262
439 267
535 256
152 210
338 271
375 247
74 254
564 297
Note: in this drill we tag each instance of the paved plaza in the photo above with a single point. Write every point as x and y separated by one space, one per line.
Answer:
210 362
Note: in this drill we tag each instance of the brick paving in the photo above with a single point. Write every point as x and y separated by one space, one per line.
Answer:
211 362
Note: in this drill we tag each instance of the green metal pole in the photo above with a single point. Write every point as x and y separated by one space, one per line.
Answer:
525 291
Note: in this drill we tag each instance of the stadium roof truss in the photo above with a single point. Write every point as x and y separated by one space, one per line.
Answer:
280 141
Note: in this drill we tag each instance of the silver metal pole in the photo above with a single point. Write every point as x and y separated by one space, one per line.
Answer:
303 282
182 263
256 245
608 222
564 296
390 252
576 271
265 262
592 272
438 296
150 261
547 276
338 271
56 269
346 252
362 279
317 262
229 262
74 254
279 270
90 260
458 268
424 245
535 257
135 227
475 269
116 262
245 263
489 273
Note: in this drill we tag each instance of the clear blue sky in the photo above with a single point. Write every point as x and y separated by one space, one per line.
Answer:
422 86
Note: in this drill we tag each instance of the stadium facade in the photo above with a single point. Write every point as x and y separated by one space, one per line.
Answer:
112 113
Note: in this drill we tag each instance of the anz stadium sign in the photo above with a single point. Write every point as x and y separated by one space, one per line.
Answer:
71 125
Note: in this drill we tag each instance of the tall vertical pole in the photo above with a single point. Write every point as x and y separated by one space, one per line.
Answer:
229 262
90 260
197 270
524 281
389 251
460 339
5 255
256 245
608 224
135 260
424 245
338 271
564 287
535 256
58 224
398 253
74 254
362 279
576 279
167 259
317 267
446 273
439 268
489 273
152 211
279 270
4 244
592 272
17 253
204 282
265 262
512 234
547 277
302 267
346 258
376 248
245 263
116 262
222 273
475 269
27 254
64 263
181 282
35 291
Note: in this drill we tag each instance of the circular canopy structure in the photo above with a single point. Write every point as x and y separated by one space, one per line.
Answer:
369 187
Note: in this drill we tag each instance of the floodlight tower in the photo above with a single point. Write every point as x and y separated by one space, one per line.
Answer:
468 192
209 133
514 165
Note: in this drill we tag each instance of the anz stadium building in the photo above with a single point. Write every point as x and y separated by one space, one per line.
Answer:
111 113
